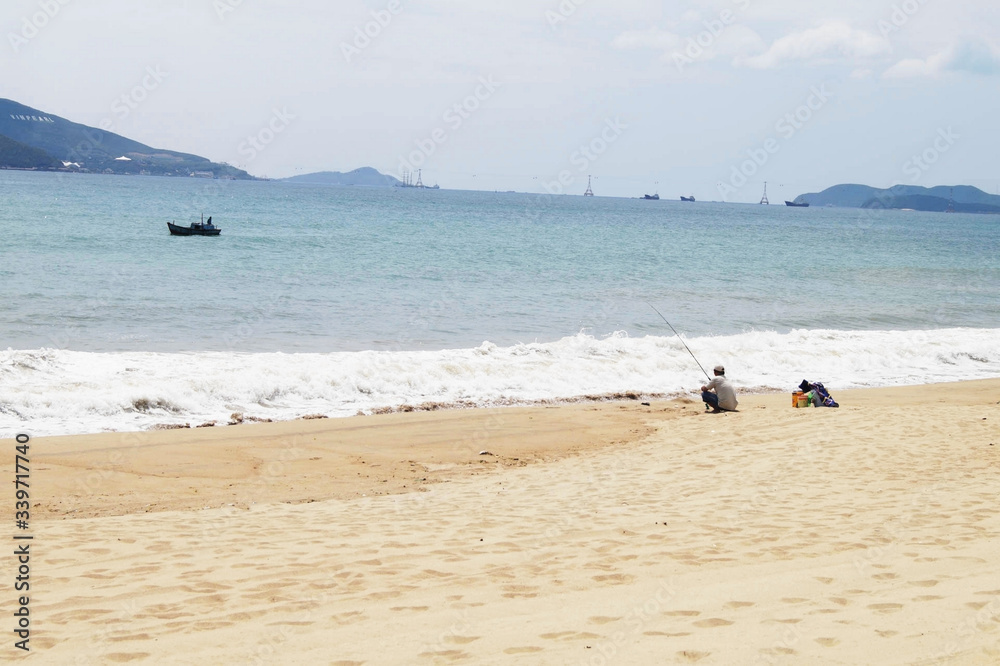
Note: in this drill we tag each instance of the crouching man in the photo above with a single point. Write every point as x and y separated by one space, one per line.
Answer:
724 398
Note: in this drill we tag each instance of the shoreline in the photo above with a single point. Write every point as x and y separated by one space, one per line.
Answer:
134 464
657 534
626 397
61 392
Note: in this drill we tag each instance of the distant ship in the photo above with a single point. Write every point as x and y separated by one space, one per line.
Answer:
684 198
408 181
651 197
797 205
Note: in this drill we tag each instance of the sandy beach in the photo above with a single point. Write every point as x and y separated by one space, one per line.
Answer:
612 533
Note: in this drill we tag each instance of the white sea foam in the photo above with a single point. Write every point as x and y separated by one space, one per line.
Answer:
52 392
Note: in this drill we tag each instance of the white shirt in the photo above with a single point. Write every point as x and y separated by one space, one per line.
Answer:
727 396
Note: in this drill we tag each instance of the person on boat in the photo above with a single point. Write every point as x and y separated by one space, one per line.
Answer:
724 398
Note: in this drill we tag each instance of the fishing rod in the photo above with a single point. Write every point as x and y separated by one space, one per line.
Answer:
681 339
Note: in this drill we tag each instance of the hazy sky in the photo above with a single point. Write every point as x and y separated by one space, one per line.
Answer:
670 96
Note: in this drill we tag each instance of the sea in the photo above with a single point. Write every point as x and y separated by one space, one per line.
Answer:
339 300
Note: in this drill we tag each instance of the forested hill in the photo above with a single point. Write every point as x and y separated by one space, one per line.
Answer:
99 151
16 155
961 198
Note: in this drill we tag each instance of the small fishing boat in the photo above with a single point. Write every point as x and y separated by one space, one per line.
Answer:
202 228
684 198
651 197
797 205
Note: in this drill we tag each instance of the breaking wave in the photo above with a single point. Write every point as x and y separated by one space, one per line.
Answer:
56 392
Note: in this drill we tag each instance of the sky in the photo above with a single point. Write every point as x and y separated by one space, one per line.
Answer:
709 98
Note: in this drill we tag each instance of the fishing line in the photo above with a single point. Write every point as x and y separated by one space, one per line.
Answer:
681 339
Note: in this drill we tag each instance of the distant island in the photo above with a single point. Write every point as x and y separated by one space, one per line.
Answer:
36 140
363 177
959 199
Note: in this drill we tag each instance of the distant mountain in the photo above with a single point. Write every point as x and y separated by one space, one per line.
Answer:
963 198
849 196
16 155
363 177
99 151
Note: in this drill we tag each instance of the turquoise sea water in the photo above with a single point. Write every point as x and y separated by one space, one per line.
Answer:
87 265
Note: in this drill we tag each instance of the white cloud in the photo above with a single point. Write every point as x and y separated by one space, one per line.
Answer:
739 40
971 57
831 41
702 44
912 68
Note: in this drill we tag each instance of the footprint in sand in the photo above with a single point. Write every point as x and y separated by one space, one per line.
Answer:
349 618
568 636
713 622
528 649
515 591
600 619
450 655
243 616
462 640
828 642
886 608
740 604
924 583
614 578
683 613
691 657
125 657
388 594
